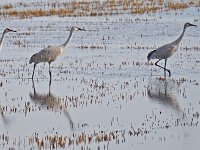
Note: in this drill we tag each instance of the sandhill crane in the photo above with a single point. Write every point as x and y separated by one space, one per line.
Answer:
50 53
4 32
166 51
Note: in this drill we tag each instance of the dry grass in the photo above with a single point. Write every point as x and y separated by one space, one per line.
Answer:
7 6
176 5
197 3
143 10
37 13
94 8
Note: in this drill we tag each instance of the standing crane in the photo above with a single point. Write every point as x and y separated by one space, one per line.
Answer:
166 51
4 32
51 53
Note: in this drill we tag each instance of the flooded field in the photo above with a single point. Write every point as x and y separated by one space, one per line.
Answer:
103 94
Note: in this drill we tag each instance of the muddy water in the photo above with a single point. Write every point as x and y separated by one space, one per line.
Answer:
104 94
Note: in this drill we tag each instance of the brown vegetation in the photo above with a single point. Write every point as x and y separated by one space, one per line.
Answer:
176 5
94 8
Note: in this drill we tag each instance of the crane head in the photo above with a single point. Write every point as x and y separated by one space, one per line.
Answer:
77 29
9 30
187 24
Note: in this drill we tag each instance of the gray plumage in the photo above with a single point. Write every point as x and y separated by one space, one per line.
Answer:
166 51
50 53
4 32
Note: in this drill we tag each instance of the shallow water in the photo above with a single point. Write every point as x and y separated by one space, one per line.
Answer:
104 94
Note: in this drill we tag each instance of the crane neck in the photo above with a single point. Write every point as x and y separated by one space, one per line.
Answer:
70 35
180 37
1 41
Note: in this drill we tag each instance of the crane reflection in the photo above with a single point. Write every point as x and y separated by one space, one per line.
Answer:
163 91
49 100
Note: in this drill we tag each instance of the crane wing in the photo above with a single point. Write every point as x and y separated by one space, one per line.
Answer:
48 54
164 51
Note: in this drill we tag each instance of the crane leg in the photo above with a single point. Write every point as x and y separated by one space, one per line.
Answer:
166 68
33 86
33 70
49 83
49 86
50 70
163 67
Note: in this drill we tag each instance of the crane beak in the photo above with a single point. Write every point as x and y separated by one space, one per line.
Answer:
81 29
193 25
12 30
